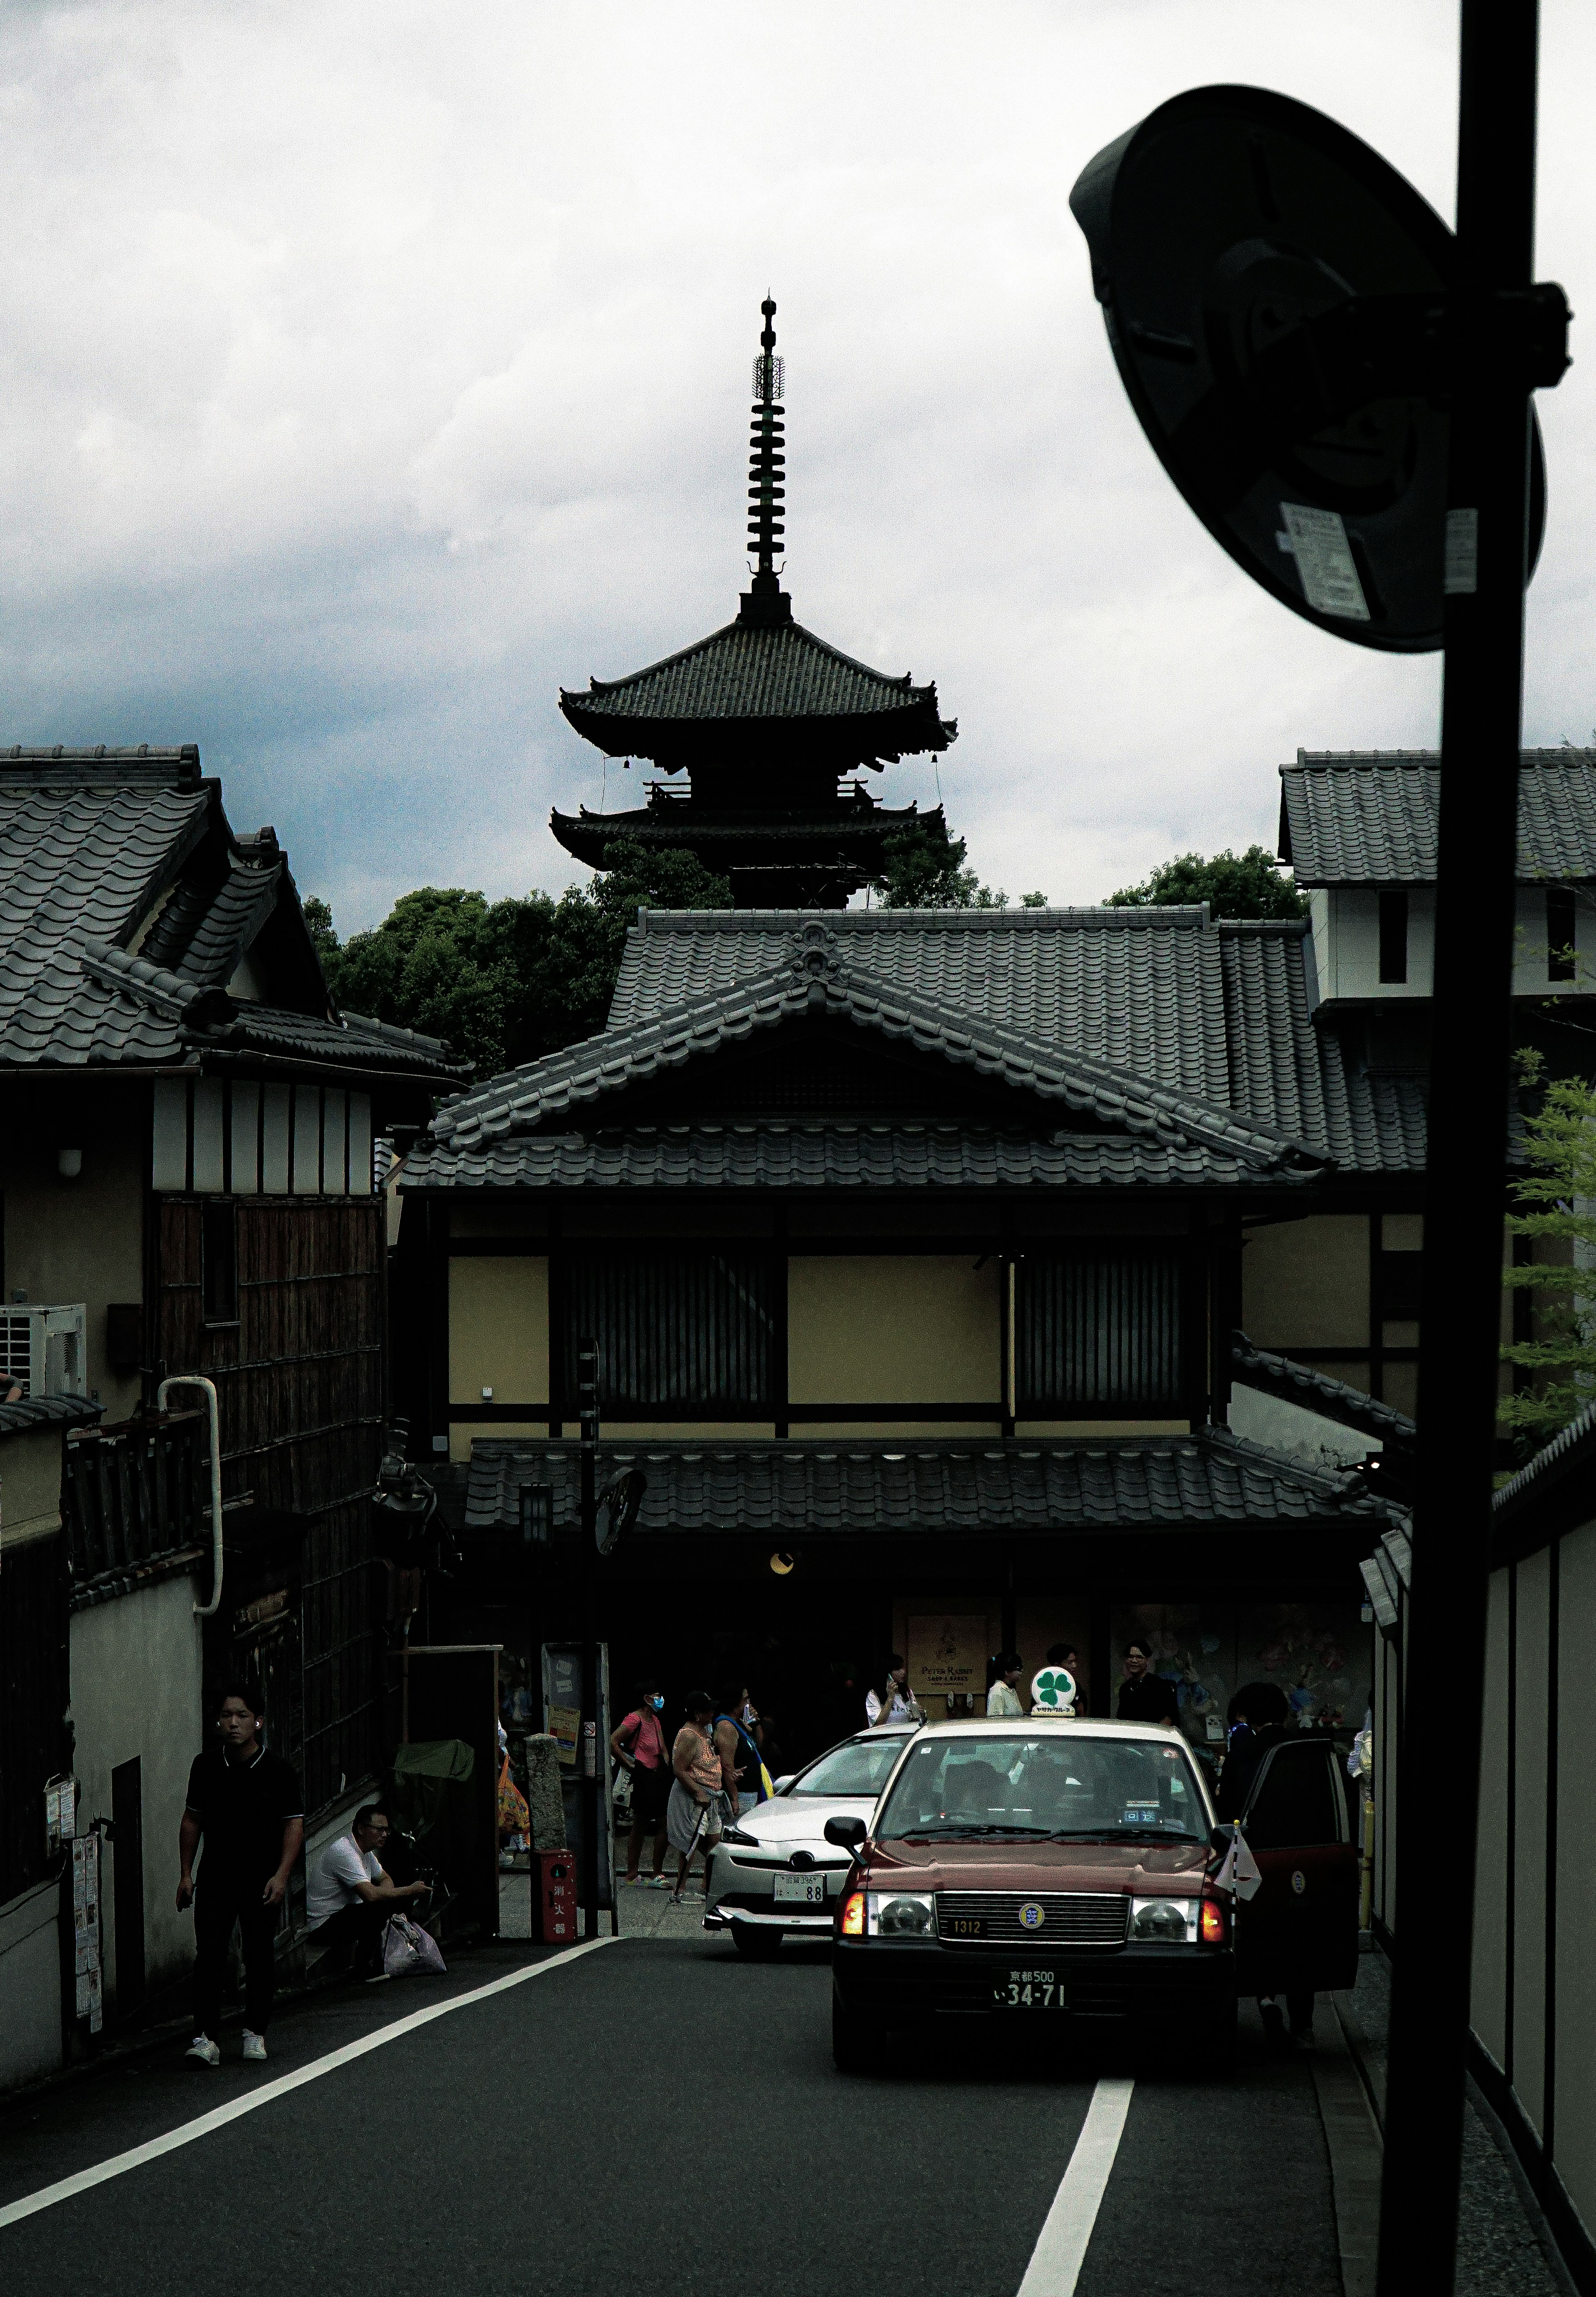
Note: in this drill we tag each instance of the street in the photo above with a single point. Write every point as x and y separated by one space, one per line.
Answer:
654 2114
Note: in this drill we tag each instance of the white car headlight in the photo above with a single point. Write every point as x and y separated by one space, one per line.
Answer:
902 1914
737 1834
1164 1922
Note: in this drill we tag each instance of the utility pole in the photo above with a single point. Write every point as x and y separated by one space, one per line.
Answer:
590 1797
1486 571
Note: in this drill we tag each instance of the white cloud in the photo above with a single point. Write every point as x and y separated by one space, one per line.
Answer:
371 371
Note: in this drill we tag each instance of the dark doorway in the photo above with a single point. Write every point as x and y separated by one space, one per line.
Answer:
127 1822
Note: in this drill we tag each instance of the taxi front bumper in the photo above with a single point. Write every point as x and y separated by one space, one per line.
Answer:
1166 1986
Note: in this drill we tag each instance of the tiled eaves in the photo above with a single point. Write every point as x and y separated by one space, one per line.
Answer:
48 1411
820 1488
830 1155
580 1077
1315 1391
781 671
1368 818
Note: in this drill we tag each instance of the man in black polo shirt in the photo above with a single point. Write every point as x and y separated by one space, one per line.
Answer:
246 1805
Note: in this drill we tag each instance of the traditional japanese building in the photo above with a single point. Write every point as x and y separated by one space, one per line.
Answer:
761 731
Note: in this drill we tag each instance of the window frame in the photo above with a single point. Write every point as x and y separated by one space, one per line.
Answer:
1171 1399
1394 934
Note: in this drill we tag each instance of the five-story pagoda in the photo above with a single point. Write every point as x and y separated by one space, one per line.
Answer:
769 726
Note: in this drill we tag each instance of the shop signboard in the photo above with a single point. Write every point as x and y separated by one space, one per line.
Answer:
947 1652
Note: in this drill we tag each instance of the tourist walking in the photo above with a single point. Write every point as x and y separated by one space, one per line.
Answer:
246 1807
637 1743
693 1815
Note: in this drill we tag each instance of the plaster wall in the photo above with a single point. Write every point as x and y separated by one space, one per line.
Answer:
1346 941
137 1689
898 1329
1488 1986
1528 1882
30 2027
29 1485
499 1328
1305 1283
1291 1428
82 1240
1575 2139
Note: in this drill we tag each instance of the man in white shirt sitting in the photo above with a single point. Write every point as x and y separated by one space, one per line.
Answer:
350 1894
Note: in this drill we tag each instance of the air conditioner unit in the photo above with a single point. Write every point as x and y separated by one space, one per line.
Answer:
41 1350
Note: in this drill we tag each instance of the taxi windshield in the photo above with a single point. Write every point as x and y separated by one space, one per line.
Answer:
1015 1784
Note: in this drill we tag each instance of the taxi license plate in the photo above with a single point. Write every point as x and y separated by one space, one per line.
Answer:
1030 1989
800 1890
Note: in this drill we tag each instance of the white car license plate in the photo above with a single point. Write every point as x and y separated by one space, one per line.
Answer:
1029 1989
800 1890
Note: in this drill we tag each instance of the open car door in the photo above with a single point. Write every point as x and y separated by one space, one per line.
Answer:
1298 1932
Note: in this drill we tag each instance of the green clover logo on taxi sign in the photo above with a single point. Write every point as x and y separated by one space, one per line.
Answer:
1053 1689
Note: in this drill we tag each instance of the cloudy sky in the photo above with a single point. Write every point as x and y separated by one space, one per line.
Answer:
372 370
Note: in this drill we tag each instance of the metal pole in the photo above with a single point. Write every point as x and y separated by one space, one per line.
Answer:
1465 1184
590 1801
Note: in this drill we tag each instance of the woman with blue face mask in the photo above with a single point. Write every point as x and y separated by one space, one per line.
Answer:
638 1742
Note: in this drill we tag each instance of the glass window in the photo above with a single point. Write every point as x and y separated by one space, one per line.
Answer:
1057 1785
1294 1803
857 1767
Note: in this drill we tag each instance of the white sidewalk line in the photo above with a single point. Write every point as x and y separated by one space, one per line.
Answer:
187 2132
1060 2249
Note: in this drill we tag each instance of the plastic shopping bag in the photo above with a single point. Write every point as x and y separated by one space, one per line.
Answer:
408 1949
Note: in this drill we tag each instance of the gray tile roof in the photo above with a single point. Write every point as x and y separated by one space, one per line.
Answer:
46 1412
747 674
1139 989
1308 1082
815 973
825 1154
821 1489
1359 817
100 849
1315 1391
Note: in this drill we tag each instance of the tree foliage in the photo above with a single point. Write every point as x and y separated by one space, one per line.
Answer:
506 981
925 871
1558 1194
1250 885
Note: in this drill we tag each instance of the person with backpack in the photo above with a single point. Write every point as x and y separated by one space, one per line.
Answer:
638 1743
742 1766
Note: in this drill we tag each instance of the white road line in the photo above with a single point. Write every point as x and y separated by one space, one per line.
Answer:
187 2131
1060 2249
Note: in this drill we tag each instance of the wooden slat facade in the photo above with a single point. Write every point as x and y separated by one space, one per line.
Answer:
300 1384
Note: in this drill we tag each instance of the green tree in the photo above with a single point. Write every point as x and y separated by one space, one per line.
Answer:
318 919
1559 1192
506 981
1249 885
925 871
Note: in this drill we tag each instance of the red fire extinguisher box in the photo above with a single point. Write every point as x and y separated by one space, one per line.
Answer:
556 1883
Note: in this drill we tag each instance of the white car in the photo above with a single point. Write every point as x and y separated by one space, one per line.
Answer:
773 1875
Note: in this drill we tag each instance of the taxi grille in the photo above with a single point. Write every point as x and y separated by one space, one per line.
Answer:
1069 1917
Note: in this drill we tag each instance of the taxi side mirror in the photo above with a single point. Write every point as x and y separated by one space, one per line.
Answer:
847 1833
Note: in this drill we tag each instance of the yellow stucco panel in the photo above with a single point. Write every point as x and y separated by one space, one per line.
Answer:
499 1328
1112 1428
29 1485
462 1432
907 1432
863 1330
1305 1284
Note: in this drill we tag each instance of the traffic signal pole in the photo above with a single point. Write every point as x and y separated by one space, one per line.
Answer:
1439 1750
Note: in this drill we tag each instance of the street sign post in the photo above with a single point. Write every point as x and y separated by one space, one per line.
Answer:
1341 389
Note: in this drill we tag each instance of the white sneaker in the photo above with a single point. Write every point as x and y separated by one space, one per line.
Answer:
204 2051
254 2048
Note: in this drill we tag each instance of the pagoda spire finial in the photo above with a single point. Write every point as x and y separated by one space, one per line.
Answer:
765 602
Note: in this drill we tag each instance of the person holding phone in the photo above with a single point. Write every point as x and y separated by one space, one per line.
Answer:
895 1702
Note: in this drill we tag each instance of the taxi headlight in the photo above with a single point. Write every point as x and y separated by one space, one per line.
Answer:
739 1834
1164 1922
902 1915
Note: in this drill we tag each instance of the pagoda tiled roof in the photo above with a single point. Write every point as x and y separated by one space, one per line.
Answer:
765 675
1370 816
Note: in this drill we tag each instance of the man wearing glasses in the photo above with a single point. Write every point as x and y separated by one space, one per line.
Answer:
350 1896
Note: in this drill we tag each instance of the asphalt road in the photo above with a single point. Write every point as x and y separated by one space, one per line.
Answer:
659 2117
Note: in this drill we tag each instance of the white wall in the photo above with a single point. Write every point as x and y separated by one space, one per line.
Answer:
137 1689
1345 921
30 1984
1295 1430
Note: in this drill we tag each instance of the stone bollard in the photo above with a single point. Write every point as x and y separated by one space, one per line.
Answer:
544 1800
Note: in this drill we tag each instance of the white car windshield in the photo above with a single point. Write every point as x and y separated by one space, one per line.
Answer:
859 1766
1015 1784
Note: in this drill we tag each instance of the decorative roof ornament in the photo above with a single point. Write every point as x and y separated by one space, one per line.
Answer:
765 603
816 957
